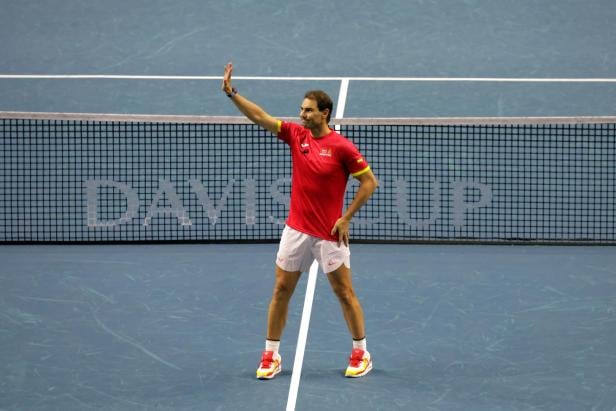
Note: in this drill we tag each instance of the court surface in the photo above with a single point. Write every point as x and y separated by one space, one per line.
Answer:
181 327
445 58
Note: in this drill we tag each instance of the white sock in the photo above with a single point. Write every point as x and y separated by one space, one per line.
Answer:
361 344
272 345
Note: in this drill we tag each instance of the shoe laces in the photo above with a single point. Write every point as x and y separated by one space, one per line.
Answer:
267 358
357 355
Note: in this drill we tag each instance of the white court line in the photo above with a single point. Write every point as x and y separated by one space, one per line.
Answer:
342 96
303 336
278 78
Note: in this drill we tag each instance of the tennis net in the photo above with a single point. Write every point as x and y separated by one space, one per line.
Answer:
117 178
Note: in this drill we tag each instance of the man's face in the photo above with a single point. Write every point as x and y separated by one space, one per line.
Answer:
310 115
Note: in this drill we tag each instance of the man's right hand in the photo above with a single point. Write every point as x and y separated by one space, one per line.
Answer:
226 79
255 113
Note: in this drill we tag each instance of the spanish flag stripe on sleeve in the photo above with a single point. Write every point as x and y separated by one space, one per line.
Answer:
360 172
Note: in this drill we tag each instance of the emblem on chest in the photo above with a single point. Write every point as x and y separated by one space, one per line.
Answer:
325 152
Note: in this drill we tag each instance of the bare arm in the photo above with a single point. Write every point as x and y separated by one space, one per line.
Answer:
254 113
367 184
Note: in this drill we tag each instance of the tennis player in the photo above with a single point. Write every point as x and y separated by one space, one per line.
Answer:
315 228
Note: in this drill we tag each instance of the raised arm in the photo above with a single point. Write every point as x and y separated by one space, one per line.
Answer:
254 113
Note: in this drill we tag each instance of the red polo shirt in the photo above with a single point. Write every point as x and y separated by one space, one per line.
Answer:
321 168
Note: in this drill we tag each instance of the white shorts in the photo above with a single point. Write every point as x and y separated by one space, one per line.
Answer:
297 251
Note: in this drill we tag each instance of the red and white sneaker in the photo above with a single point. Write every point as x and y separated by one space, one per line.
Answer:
360 363
270 365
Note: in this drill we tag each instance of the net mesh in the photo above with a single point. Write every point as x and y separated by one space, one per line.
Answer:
70 178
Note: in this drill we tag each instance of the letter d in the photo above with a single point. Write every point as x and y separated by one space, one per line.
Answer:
92 201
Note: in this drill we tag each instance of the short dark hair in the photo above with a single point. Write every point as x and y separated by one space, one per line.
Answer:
323 100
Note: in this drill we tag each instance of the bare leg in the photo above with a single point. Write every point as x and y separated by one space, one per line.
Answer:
285 284
340 280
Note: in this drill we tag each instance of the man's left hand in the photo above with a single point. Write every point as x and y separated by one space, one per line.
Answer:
342 228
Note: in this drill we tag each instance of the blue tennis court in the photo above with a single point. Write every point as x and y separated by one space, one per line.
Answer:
180 325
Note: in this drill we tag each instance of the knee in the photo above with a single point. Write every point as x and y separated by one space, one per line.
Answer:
282 291
345 295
